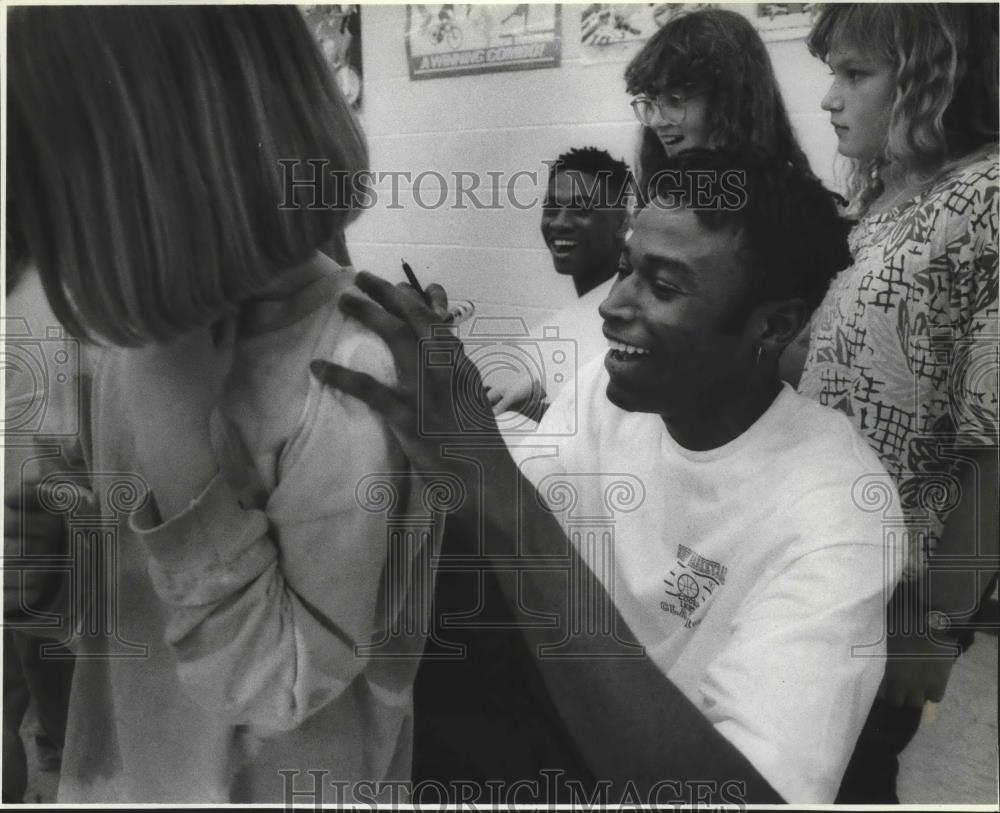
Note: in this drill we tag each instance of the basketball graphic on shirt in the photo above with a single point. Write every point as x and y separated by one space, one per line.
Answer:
690 584
687 586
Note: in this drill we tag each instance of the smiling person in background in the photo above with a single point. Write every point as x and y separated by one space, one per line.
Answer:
583 219
746 572
583 224
705 80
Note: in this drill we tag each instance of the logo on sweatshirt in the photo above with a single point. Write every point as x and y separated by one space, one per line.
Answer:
690 585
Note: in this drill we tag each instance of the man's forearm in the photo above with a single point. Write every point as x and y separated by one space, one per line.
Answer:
628 720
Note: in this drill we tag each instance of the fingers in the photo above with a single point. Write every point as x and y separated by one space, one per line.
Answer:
362 386
437 300
408 290
400 337
409 307
435 297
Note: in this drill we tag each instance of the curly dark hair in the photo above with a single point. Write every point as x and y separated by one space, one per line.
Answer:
793 236
601 165
720 54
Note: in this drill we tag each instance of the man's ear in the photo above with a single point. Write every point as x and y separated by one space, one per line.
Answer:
779 323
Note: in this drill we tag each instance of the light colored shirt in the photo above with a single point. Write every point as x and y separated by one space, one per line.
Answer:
248 635
755 574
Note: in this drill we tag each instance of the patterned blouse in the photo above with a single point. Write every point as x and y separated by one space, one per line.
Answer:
906 341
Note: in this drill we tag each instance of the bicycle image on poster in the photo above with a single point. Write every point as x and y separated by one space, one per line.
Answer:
463 38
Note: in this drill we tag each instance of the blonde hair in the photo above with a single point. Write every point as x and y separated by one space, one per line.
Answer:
144 147
945 60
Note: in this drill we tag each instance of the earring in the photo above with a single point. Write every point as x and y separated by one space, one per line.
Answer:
760 351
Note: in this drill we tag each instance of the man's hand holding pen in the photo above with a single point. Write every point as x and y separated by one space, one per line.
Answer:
423 408
456 314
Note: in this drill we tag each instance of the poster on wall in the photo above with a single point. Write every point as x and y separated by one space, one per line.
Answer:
337 28
457 39
614 32
784 20
611 32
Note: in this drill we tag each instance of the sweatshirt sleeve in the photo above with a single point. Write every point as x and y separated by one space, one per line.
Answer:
270 610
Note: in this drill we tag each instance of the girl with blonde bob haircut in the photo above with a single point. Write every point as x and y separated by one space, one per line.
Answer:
229 635
905 342
148 145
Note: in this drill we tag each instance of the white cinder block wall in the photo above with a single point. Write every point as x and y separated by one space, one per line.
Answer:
507 123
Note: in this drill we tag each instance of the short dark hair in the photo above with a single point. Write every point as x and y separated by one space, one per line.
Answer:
793 235
601 165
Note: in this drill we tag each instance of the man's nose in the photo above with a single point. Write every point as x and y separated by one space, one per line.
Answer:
620 304
560 219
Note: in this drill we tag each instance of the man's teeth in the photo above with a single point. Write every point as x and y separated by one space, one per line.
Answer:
631 349
671 140
564 244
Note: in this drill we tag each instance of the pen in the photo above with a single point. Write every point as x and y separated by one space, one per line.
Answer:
412 279
457 313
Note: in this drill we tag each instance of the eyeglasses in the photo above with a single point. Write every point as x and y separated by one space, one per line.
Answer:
671 107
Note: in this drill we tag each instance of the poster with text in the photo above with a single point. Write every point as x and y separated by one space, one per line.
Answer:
457 39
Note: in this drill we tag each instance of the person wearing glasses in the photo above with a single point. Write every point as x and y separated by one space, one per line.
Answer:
705 80
710 623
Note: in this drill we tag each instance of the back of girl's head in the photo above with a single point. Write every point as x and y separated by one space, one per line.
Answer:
945 60
719 54
144 145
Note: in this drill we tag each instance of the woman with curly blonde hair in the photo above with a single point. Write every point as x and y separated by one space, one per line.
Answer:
905 342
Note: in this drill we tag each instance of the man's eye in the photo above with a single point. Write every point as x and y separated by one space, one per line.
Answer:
665 291
624 269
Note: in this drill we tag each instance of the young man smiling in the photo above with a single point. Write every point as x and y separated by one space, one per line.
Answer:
583 216
748 565
583 224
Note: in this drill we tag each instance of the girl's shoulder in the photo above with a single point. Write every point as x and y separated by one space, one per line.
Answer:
963 195
974 176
